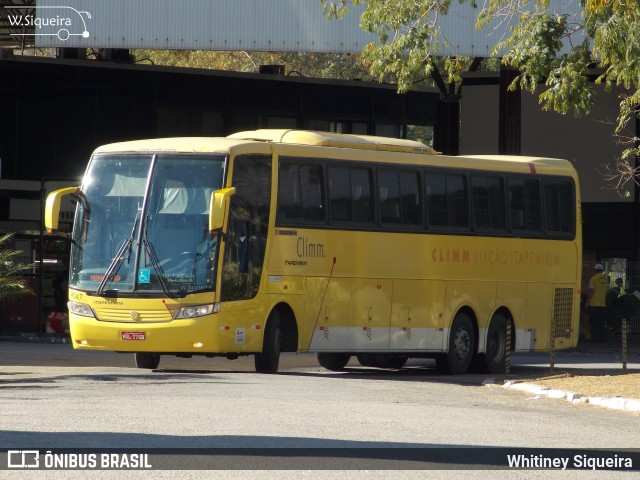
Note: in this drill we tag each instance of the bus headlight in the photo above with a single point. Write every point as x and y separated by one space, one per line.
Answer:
196 311
81 309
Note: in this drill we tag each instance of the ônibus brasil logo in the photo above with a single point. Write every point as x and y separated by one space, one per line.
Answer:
51 21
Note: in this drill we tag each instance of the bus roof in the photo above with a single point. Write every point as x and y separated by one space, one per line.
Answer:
540 161
258 141
340 140
174 144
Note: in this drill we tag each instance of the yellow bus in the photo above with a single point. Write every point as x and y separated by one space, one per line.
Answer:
273 241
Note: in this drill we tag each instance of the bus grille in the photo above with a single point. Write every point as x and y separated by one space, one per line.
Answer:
121 315
562 307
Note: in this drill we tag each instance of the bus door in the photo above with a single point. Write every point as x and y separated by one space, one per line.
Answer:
244 251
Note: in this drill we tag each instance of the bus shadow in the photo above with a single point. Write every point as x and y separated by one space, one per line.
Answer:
415 373
408 374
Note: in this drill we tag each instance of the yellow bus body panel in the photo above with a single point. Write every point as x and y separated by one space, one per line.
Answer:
352 291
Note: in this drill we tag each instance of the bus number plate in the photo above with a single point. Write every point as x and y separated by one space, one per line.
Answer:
133 336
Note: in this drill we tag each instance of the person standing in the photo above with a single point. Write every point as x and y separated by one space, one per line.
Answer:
597 304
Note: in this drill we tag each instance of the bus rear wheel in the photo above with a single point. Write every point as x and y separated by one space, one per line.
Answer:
147 360
269 360
461 346
333 361
495 352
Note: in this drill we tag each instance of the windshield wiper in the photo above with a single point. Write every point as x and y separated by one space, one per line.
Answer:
114 266
148 248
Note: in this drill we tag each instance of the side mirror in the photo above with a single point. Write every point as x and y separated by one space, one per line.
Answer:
52 207
219 207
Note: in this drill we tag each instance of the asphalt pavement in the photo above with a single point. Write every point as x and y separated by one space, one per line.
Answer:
603 357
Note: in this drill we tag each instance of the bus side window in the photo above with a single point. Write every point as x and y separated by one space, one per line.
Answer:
457 201
361 195
447 201
300 193
410 201
389 196
288 192
340 193
558 202
524 204
488 203
312 192
437 200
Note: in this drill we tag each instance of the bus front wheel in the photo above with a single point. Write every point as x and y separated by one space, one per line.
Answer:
461 346
269 359
147 360
333 361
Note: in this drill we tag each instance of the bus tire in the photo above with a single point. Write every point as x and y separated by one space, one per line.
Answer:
390 361
496 348
147 360
461 346
367 360
269 359
333 361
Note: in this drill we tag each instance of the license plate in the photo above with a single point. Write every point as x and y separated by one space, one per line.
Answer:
133 336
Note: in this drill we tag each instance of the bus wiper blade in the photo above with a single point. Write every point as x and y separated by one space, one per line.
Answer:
148 247
114 266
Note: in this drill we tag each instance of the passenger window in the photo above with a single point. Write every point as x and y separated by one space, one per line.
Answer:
289 207
489 205
340 194
399 198
447 204
524 205
558 199
350 194
410 202
389 197
361 195
300 192
312 192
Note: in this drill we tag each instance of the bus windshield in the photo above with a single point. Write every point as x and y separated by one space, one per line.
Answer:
142 224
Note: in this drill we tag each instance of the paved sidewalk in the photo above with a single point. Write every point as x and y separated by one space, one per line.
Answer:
611 349
538 391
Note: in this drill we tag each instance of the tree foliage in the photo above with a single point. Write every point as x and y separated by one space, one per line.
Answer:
318 65
554 53
11 285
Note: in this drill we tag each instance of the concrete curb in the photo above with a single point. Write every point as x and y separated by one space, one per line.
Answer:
616 403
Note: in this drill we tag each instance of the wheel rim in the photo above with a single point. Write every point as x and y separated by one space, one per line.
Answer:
462 344
497 345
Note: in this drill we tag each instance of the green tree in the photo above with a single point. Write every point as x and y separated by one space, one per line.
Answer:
11 285
306 64
605 34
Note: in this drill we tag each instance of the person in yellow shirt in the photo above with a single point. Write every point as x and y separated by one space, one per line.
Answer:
597 304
